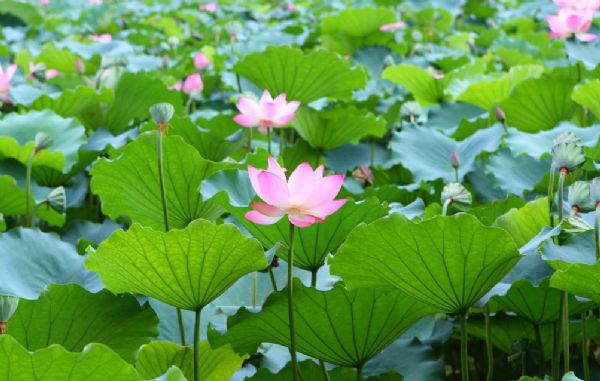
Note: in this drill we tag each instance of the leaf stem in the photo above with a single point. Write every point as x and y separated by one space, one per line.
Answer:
597 232
250 140
538 339
165 209
445 206
464 354
197 345
359 376
324 371
290 290
269 140
561 185
28 212
556 349
272 277
565 329
489 350
281 141
254 289
313 283
585 348
551 197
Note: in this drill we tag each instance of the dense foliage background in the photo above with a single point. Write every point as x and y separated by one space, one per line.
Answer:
456 123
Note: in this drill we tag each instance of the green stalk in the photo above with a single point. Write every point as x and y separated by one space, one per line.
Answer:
464 354
561 186
556 349
28 212
272 277
197 345
165 209
359 376
313 283
488 345
445 207
249 140
597 233
269 140
551 197
585 348
565 329
538 339
254 289
290 290
456 175
281 141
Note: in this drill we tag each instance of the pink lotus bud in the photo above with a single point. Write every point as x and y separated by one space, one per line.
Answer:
95 2
392 27
101 37
44 3
266 113
193 83
500 114
364 175
306 197
291 6
201 61
5 77
79 66
454 159
209 7
52 73
31 71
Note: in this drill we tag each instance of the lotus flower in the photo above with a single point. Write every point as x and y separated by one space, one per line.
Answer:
5 77
95 2
101 37
209 7
193 83
80 66
392 27
307 197
267 113
52 73
201 61
580 5
44 3
568 22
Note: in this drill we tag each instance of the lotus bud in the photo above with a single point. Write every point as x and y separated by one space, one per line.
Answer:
57 199
595 191
500 114
456 193
162 113
79 66
8 306
579 197
42 141
454 159
363 175
567 156
565 137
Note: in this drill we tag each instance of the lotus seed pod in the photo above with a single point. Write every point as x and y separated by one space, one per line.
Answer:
8 306
567 156
457 194
454 159
162 113
57 199
579 196
42 141
411 109
565 137
595 191
500 114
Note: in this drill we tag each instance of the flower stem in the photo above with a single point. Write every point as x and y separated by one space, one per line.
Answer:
254 289
165 209
456 175
272 276
538 339
565 329
324 371
313 283
197 345
556 350
551 197
28 196
597 233
585 347
445 206
281 141
561 185
269 140
488 345
290 290
464 354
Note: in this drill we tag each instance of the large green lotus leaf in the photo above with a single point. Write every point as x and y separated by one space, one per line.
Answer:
134 95
303 77
540 144
422 85
218 364
311 371
215 138
95 363
578 279
72 317
314 243
32 259
26 12
129 185
540 104
341 327
70 103
525 223
12 197
427 152
185 268
516 174
488 213
488 94
358 22
577 248
448 262
538 304
330 129
17 136
588 95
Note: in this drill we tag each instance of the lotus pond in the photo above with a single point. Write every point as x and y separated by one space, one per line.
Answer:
340 190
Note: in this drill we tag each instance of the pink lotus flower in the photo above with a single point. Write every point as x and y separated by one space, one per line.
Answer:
201 61
177 86
193 83
79 66
580 5
392 27
52 73
364 175
291 6
101 37
568 22
44 3
266 113
307 197
209 7
95 2
5 77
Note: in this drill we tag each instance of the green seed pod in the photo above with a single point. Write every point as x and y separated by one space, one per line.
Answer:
579 196
567 156
595 191
162 113
565 137
457 194
42 141
8 306
57 199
